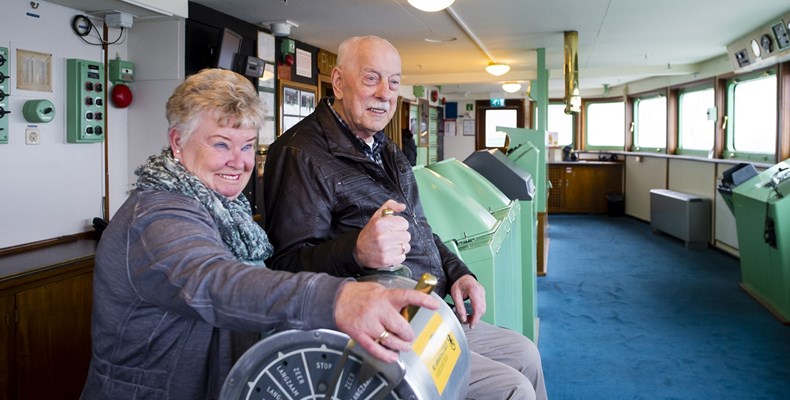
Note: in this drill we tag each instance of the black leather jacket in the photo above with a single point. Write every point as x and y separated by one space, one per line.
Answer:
320 190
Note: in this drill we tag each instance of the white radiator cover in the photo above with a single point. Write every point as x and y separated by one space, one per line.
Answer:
682 215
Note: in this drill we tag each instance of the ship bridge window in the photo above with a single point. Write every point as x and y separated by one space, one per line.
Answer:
697 121
752 123
604 125
561 123
650 124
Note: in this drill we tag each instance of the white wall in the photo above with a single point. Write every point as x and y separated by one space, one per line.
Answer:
53 188
157 48
642 174
56 188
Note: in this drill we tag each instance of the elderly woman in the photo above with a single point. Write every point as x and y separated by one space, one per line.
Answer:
180 289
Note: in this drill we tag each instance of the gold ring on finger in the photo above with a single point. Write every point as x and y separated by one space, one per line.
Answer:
383 336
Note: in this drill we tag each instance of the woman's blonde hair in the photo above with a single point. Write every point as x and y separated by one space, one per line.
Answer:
214 93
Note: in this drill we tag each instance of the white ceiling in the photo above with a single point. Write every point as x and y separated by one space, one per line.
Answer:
619 40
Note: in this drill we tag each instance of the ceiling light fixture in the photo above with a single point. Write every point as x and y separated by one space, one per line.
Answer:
497 69
281 28
511 87
431 5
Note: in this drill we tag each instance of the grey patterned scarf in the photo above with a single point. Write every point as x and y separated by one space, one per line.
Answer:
243 236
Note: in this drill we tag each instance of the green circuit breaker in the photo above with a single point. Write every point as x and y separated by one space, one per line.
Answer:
4 95
85 101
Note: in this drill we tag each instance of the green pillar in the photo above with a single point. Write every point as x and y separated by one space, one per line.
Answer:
540 92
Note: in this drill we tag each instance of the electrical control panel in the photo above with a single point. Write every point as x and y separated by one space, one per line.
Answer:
763 47
4 90
85 101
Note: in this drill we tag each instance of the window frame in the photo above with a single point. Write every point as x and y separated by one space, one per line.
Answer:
585 115
728 151
635 100
574 126
694 152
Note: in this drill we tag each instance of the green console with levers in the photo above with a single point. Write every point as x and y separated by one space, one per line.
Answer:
761 206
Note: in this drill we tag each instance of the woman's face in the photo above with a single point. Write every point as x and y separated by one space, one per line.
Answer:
221 157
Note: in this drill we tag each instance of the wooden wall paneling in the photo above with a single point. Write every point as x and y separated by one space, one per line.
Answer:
7 347
53 338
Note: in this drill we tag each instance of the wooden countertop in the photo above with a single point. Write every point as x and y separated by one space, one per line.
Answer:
16 268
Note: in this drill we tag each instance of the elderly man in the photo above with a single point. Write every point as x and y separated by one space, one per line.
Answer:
341 198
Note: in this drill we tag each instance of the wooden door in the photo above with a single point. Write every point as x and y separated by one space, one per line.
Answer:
556 194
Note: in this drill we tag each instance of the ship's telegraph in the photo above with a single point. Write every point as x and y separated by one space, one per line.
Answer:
327 364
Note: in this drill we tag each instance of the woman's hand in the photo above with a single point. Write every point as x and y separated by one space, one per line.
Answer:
365 310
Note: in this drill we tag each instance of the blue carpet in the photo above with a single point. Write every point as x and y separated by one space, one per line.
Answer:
629 314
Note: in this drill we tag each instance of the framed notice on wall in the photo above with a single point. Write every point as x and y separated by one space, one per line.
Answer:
469 127
297 100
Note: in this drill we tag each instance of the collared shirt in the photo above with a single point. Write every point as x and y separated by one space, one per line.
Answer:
372 151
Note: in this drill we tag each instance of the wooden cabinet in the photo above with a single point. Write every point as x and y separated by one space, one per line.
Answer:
7 337
45 305
581 187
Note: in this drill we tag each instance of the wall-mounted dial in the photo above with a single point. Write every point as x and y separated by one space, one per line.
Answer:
756 48
767 43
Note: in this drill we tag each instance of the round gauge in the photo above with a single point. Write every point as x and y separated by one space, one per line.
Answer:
767 44
756 48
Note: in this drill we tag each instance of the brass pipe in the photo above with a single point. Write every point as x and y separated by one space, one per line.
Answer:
571 72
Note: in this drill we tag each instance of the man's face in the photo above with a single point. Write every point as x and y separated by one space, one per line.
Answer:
367 87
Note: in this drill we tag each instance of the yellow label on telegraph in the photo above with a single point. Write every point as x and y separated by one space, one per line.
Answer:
439 350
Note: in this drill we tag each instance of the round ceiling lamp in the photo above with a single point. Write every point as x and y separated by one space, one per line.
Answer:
431 5
511 87
497 69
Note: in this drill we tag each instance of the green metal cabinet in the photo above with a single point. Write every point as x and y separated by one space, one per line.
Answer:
526 148
488 243
528 151
517 185
761 206
521 216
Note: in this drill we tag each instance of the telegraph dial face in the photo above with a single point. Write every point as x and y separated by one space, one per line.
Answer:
302 366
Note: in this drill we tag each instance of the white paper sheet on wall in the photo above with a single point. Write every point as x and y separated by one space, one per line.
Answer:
304 63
